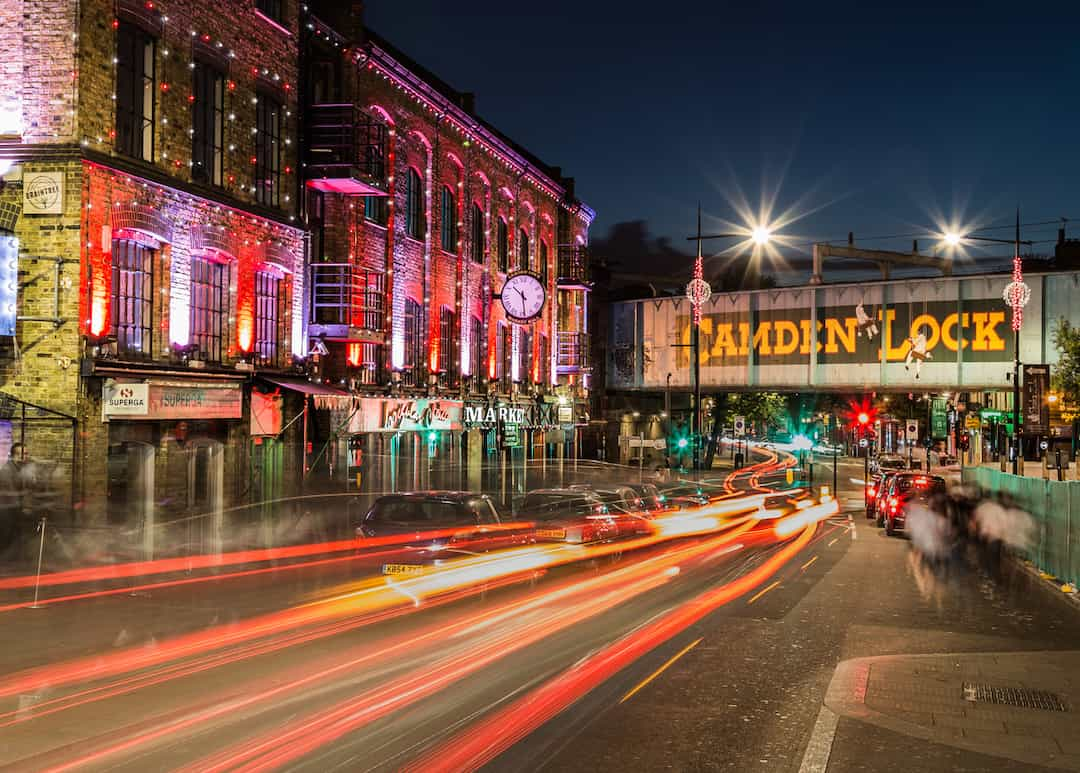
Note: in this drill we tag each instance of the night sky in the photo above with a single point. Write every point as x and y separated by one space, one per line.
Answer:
878 120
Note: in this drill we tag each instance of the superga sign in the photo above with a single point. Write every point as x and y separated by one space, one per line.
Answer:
492 414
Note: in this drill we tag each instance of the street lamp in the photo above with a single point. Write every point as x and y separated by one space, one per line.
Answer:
1016 296
698 290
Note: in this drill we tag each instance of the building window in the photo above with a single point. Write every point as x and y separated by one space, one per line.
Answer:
476 349
525 359
414 342
135 92
501 353
544 263
316 207
267 328
132 297
207 124
545 361
374 295
447 340
449 221
414 205
503 245
478 240
268 151
207 307
271 9
523 250
367 359
375 209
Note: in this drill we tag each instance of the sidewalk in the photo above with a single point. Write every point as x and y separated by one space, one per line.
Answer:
1017 705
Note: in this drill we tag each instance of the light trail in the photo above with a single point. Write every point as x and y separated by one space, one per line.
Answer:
482 743
373 599
583 599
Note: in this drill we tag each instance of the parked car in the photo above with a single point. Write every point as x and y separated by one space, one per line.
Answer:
568 515
906 489
870 492
879 500
436 525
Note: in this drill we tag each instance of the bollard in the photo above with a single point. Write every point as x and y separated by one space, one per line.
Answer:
1057 461
40 555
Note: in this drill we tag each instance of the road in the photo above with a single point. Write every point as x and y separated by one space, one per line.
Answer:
710 646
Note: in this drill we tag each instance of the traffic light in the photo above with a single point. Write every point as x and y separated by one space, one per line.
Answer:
864 418
964 440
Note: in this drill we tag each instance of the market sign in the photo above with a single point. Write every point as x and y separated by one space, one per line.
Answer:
481 415
154 400
421 414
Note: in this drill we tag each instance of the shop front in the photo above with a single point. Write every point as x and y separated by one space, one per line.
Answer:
173 447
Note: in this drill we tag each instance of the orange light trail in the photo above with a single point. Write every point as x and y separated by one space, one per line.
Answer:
479 745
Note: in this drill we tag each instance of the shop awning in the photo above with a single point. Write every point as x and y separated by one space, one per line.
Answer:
305 387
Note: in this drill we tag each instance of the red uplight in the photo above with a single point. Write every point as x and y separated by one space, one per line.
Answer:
864 418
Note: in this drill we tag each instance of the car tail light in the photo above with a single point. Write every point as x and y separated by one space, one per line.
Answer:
921 481
871 491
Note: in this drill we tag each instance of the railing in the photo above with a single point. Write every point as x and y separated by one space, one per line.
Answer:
573 352
573 265
343 294
343 141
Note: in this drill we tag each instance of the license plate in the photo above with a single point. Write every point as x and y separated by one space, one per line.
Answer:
402 568
552 533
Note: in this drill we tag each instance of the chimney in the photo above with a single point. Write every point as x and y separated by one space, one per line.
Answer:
356 22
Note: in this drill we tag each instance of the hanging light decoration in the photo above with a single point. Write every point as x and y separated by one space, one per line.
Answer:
697 289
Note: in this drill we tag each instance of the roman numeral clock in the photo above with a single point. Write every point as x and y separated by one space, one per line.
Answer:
523 296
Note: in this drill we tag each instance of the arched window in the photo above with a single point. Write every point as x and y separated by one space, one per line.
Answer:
525 356
132 297
478 240
523 250
414 205
544 262
449 220
476 350
503 243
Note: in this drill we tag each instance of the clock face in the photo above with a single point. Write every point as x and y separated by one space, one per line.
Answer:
523 296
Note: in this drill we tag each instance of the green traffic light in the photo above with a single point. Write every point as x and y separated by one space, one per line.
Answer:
683 442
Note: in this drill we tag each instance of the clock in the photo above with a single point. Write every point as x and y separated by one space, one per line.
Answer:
523 296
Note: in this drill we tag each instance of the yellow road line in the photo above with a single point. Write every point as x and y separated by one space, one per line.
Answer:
833 542
812 560
761 593
661 670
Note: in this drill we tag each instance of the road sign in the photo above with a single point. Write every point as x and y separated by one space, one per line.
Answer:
912 429
740 426
972 421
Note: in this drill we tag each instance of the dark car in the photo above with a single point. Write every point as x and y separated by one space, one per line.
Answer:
870 493
626 508
878 504
886 462
905 490
437 525
651 499
568 515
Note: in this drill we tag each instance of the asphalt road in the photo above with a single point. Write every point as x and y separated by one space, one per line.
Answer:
710 651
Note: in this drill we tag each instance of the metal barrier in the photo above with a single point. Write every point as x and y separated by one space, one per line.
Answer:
1051 504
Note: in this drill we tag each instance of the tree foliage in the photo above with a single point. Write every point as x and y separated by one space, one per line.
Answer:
768 408
1066 376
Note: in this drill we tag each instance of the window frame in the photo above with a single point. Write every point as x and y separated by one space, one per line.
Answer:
143 320
210 119
268 329
204 292
449 229
269 125
414 205
413 340
447 339
375 210
502 243
476 353
479 234
141 111
523 249
544 257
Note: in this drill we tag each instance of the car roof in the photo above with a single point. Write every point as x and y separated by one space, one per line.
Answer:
566 492
441 496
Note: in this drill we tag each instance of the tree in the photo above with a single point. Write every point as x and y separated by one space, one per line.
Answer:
1066 376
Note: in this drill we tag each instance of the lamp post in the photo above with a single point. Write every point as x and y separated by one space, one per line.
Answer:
698 290
1016 296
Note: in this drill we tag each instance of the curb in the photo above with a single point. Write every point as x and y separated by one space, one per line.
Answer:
1055 586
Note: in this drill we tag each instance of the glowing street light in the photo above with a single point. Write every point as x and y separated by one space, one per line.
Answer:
761 235
953 239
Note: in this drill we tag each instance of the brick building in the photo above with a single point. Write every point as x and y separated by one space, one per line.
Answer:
419 210
149 213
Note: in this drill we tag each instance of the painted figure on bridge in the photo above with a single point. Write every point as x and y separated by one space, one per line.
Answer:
865 323
917 353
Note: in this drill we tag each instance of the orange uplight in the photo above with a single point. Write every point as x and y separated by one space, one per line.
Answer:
352 354
244 333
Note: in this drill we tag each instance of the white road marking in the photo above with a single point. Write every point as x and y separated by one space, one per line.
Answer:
816 757
851 526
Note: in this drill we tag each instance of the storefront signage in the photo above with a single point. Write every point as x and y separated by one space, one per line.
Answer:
43 193
421 414
939 418
125 399
154 400
1036 409
476 415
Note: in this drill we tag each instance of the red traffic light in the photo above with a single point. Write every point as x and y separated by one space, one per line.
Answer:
864 418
